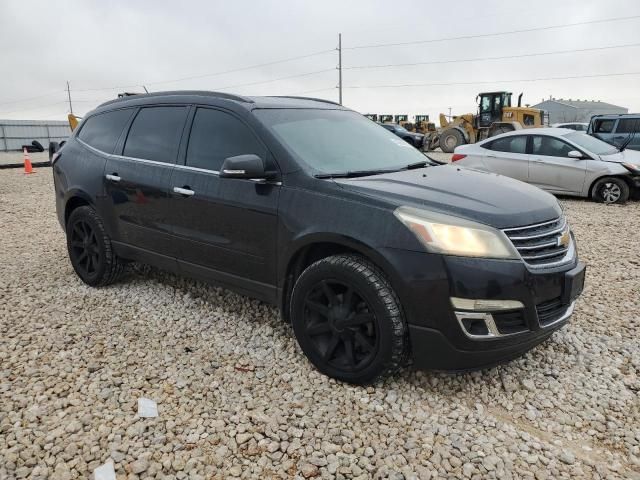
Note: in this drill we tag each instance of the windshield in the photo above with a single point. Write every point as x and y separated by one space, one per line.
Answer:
332 141
591 144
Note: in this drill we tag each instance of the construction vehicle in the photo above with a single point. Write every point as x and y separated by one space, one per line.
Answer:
422 123
73 121
372 116
495 116
385 118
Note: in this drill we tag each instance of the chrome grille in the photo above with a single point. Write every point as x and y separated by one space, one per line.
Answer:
540 244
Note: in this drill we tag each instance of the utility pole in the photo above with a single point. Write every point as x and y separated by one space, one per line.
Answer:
340 68
69 95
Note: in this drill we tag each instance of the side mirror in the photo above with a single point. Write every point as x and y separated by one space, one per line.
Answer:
248 166
575 154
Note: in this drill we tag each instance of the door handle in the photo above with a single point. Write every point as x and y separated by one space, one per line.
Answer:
112 177
186 191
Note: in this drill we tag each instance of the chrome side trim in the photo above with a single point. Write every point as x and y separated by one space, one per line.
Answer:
196 169
122 157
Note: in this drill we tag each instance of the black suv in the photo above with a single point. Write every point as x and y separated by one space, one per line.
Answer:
412 138
378 256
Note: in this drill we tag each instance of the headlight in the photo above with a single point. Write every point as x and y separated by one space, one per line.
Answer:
441 233
632 168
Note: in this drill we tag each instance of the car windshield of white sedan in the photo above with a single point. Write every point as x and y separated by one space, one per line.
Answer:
591 144
339 141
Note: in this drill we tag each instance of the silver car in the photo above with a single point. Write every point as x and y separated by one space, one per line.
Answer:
558 160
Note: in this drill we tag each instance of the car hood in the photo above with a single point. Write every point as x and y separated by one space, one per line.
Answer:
626 156
482 197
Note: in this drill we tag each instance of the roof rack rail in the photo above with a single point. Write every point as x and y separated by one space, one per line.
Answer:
308 98
203 93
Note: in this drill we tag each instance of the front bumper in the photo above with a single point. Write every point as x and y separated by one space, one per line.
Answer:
425 284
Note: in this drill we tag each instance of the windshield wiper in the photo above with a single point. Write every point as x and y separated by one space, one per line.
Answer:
421 164
353 173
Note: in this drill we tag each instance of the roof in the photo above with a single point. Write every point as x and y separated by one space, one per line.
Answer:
580 103
536 131
249 102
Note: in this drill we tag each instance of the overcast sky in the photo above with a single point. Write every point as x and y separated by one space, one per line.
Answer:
121 45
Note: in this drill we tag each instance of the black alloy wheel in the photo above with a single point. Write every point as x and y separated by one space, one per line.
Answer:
90 249
348 320
85 250
340 325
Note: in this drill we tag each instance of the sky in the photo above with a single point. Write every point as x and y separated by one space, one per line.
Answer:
105 47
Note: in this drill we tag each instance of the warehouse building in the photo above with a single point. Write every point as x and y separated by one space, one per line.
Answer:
15 133
567 110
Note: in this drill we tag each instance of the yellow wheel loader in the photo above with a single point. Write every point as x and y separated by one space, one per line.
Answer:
495 116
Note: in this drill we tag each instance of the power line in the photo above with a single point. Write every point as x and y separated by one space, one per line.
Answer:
485 35
314 91
33 108
214 74
275 79
479 59
30 98
495 81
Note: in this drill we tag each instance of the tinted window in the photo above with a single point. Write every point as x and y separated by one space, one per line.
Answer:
155 134
604 126
517 144
217 135
628 125
102 131
550 147
580 127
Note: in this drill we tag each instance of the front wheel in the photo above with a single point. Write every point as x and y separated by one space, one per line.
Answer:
450 139
348 320
610 190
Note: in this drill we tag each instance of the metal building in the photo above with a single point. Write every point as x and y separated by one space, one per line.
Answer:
15 133
567 110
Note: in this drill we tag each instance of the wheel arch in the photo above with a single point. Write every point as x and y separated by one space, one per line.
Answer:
75 199
314 247
622 177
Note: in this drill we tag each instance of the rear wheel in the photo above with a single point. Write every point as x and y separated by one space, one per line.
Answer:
610 190
348 320
450 139
90 250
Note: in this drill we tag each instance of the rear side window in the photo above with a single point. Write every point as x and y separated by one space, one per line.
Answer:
155 134
604 126
515 144
103 131
550 147
216 135
628 125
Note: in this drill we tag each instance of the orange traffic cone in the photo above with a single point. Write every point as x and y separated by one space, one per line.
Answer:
27 162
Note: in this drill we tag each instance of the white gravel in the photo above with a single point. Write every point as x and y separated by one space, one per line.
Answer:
236 398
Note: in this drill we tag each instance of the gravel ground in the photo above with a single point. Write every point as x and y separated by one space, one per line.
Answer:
236 398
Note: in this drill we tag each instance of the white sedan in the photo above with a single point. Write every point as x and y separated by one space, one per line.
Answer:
558 160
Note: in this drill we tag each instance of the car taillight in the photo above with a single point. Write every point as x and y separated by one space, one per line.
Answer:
457 156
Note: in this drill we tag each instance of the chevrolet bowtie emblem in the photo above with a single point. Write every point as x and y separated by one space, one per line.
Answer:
564 239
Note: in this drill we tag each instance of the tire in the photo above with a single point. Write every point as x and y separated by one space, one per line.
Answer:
610 190
90 249
348 320
450 139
